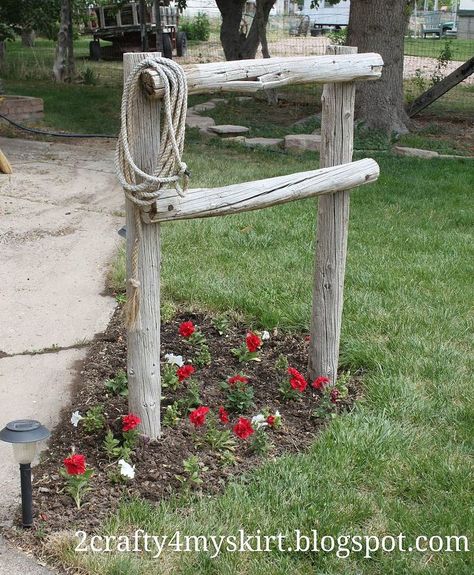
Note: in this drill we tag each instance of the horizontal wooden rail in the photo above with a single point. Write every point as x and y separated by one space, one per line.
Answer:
267 73
208 202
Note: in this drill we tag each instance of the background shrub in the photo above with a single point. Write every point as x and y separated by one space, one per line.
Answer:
199 28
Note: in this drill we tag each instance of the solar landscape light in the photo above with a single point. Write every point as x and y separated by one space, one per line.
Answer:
25 436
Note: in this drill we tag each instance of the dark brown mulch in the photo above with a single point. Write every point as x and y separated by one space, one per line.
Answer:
158 463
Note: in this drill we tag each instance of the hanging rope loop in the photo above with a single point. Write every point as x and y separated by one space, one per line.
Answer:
140 187
169 166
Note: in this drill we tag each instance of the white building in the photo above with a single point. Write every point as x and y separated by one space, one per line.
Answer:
465 21
209 7
327 15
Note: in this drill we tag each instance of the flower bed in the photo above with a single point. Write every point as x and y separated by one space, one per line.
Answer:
232 398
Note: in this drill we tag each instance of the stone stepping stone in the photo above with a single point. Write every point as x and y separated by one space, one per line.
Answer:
229 130
204 107
415 152
201 122
263 142
303 142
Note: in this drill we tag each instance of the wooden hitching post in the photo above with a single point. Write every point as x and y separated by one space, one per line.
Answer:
337 137
143 341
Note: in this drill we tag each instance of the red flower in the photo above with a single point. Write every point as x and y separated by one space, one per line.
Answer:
334 395
271 420
130 421
223 415
238 378
243 428
184 372
320 382
186 328
253 342
297 381
198 416
75 464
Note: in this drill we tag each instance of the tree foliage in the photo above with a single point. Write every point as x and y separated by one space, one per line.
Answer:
24 15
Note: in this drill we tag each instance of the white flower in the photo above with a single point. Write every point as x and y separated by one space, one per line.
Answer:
265 335
76 418
259 421
126 469
174 359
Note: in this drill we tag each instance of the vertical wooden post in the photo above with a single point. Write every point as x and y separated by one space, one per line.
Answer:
337 135
143 341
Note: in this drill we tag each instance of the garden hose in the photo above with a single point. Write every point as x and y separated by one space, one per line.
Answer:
55 134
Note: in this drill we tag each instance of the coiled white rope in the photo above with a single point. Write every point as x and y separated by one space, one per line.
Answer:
169 166
140 187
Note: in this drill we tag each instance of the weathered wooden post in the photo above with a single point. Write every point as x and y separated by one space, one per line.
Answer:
143 338
337 138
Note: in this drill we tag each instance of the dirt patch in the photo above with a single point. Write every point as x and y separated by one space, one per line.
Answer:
457 132
158 464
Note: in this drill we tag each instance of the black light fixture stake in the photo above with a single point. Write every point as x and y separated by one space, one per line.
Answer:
26 495
25 436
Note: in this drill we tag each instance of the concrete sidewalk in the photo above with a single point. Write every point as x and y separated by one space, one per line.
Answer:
59 215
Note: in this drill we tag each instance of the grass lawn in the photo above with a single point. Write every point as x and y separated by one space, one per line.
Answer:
402 461
461 50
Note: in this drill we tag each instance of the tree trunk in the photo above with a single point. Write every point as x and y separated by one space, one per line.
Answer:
379 26
231 11
2 51
28 37
64 67
237 45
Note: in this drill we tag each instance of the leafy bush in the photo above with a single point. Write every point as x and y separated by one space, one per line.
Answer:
338 37
199 28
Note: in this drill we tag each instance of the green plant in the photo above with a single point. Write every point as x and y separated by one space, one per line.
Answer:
169 378
218 439
94 419
203 356
6 32
338 37
111 446
118 385
248 350
445 55
193 396
239 395
172 415
89 76
197 339
199 28
259 442
192 467
77 477
167 311
121 298
221 323
281 364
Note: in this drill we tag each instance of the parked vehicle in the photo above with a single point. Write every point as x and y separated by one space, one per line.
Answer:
121 25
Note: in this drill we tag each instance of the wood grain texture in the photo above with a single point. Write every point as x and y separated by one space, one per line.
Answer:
143 342
270 73
208 202
337 132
